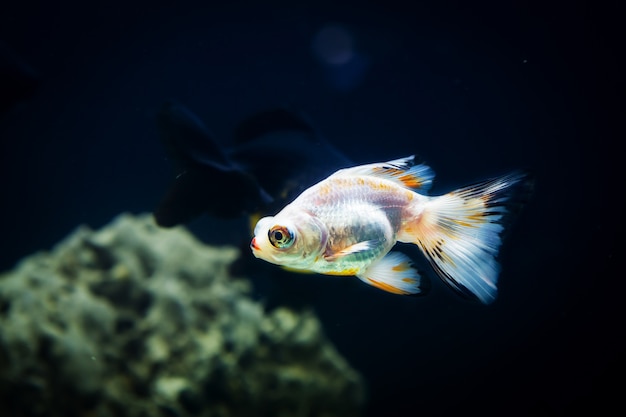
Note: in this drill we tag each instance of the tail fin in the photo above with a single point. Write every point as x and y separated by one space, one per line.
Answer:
460 232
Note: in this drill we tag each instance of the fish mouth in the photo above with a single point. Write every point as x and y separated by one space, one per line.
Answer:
254 246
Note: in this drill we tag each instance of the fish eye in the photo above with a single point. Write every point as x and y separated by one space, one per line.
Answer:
280 237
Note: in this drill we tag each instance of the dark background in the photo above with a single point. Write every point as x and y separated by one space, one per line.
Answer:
474 88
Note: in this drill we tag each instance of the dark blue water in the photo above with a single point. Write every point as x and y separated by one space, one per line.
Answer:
475 90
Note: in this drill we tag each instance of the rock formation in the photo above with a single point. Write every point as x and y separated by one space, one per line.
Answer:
134 320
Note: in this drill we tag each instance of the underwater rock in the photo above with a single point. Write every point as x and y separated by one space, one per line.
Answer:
135 320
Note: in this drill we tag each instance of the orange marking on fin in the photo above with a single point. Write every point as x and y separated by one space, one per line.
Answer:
409 280
404 266
462 223
410 181
478 217
386 287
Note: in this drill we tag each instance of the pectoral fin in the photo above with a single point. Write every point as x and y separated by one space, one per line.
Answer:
352 249
395 274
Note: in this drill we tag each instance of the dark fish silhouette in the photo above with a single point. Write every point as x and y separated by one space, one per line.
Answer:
18 81
272 157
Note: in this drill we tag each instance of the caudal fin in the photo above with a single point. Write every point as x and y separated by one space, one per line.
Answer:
460 232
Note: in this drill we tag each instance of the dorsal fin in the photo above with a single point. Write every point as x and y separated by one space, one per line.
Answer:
402 171
269 121
187 140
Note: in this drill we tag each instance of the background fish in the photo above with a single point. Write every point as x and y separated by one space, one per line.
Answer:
272 156
18 80
348 223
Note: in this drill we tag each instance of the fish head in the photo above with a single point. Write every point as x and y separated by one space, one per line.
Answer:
293 239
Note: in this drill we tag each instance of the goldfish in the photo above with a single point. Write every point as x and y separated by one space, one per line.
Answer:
348 223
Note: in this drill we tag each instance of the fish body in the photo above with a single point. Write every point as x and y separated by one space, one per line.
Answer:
348 223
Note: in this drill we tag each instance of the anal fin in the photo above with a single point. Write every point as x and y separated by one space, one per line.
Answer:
395 274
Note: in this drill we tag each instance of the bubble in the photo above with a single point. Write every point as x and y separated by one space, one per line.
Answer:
333 45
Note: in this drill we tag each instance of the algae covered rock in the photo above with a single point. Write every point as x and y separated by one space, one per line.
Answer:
134 320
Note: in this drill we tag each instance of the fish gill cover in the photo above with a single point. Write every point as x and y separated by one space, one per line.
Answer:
136 320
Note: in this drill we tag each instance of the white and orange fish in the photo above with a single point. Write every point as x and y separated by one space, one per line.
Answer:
348 223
